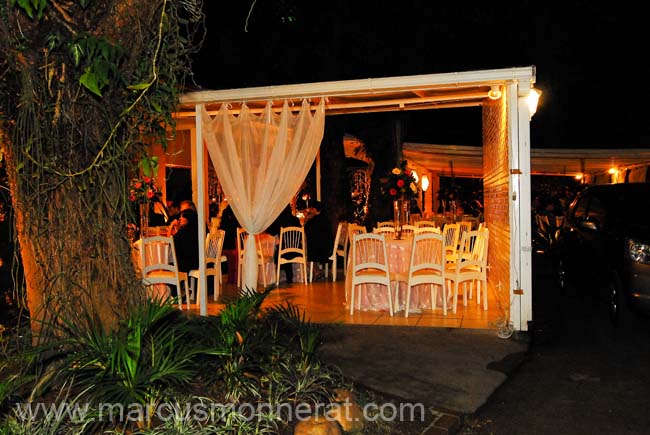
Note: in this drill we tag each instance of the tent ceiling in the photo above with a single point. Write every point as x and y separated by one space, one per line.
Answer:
418 92
467 161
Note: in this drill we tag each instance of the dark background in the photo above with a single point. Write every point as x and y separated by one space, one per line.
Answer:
590 59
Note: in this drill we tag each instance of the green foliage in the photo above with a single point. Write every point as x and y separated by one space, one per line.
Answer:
247 355
100 59
87 87
31 6
141 362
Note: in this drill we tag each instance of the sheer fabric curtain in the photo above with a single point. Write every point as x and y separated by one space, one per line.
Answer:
261 161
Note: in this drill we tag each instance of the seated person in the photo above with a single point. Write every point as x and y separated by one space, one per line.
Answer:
184 205
318 232
229 224
186 241
158 215
174 211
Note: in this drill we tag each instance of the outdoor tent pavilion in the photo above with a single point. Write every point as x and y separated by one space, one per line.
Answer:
503 96
592 165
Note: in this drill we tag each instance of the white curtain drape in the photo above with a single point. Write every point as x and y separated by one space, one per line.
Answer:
261 161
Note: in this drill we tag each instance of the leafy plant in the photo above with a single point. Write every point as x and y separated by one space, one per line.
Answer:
141 362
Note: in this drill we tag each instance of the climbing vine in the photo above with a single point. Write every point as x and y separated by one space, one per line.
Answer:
86 87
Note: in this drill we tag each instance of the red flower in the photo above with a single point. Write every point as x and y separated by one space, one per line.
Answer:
147 180
392 191
137 185
400 183
150 194
132 198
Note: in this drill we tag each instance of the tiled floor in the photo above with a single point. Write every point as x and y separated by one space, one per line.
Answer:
324 302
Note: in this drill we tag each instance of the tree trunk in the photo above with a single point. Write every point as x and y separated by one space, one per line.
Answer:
83 90
76 260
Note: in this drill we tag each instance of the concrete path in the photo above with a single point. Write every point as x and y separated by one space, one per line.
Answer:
451 369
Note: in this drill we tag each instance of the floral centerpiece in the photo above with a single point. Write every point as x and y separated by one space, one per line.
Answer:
400 186
400 183
142 190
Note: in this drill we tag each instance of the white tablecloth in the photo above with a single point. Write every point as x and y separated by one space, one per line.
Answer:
156 253
374 297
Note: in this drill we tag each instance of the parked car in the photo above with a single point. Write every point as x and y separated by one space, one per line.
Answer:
604 246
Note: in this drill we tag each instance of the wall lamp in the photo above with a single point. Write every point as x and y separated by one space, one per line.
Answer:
532 99
425 183
425 187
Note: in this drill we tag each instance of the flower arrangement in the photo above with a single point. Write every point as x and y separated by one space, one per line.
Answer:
400 183
142 190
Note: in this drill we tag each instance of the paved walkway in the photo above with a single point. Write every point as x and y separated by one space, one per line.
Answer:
450 369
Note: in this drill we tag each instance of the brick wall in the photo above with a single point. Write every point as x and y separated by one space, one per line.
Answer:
496 189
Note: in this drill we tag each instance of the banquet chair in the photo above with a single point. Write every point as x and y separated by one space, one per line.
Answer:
353 229
439 221
213 260
292 249
420 230
262 259
241 242
408 230
470 266
340 247
427 267
425 223
389 231
156 269
451 233
463 227
385 224
369 260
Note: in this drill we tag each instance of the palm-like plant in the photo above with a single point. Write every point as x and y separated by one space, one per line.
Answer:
141 362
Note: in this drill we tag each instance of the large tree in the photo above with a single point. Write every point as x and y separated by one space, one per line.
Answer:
84 86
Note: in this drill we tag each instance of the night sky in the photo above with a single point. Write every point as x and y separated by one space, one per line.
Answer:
590 59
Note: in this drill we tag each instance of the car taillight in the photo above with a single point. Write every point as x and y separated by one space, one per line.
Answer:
639 252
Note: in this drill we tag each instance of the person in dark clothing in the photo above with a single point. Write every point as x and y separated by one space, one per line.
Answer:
229 224
186 241
285 219
318 232
158 214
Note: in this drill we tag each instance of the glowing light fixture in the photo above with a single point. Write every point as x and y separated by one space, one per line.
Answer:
425 183
494 93
578 176
532 99
425 187
612 171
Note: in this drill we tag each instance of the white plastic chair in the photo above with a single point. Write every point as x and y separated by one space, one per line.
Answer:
427 267
353 229
292 249
156 269
463 227
389 231
470 266
262 260
451 232
241 243
213 260
340 247
425 223
408 230
369 266
421 230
